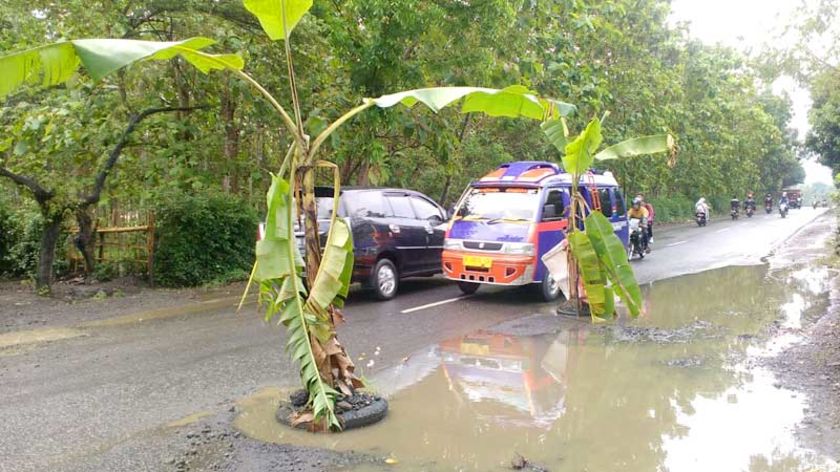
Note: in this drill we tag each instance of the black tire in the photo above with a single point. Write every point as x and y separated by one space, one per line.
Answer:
468 288
366 416
549 290
385 279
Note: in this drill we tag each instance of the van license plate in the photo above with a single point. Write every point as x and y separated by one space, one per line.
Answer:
478 261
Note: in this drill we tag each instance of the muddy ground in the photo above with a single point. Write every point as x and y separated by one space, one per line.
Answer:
813 367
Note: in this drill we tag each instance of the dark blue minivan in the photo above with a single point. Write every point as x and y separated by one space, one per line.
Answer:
397 233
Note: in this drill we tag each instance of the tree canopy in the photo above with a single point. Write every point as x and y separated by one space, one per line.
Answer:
616 55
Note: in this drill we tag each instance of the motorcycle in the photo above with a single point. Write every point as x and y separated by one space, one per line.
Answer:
783 209
734 214
636 237
700 216
768 207
750 210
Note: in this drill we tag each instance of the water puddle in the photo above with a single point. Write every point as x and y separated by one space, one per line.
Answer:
673 390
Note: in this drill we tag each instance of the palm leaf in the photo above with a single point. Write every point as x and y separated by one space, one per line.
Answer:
56 63
274 14
637 147
613 257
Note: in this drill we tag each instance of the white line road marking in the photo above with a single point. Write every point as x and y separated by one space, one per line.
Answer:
722 230
676 243
432 305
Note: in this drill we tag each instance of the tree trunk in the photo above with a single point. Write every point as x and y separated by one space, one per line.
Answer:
445 193
85 240
49 237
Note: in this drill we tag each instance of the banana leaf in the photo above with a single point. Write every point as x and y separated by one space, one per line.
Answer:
613 257
513 101
637 146
56 63
579 153
557 133
599 296
273 14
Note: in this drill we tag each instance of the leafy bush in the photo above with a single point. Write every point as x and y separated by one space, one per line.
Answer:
673 209
203 238
20 241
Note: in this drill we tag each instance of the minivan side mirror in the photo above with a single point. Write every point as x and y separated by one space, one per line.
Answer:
549 211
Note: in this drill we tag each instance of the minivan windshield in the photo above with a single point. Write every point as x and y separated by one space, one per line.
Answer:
500 204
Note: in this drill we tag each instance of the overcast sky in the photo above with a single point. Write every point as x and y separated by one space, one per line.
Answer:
747 25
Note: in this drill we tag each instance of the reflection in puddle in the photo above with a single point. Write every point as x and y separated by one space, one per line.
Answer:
669 391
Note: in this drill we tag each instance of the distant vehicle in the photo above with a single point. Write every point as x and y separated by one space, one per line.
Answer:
783 209
506 220
794 197
397 233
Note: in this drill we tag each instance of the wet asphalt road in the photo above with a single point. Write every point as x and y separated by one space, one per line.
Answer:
102 401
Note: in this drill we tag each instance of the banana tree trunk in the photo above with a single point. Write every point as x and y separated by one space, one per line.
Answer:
309 208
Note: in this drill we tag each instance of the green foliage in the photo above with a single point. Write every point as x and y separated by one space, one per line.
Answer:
824 137
20 236
201 238
672 209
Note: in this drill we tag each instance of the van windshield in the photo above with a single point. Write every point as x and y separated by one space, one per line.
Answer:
500 204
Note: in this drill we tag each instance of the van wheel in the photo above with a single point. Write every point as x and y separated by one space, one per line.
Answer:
385 279
549 289
468 288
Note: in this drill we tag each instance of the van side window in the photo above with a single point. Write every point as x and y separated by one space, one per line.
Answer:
606 203
400 206
554 197
619 203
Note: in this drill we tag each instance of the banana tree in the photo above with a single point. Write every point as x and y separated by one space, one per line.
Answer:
597 258
310 314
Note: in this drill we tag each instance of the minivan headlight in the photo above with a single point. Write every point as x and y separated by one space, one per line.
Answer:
452 244
519 249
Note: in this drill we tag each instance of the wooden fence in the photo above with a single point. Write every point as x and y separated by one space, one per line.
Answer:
124 239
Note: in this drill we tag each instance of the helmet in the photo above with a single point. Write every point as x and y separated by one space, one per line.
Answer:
637 201
784 194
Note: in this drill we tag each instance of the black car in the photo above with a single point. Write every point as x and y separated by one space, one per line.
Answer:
397 233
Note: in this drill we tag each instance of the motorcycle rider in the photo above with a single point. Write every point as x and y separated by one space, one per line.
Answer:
651 216
784 199
640 212
768 200
734 206
749 202
702 207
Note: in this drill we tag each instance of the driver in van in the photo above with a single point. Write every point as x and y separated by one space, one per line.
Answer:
640 212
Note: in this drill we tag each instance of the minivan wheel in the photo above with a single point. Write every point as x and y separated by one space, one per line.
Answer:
385 279
549 288
468 288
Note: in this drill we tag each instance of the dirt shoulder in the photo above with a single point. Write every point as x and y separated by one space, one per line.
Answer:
73 303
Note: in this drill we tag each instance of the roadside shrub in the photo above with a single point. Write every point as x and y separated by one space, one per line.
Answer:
673 209
20 242
202 239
